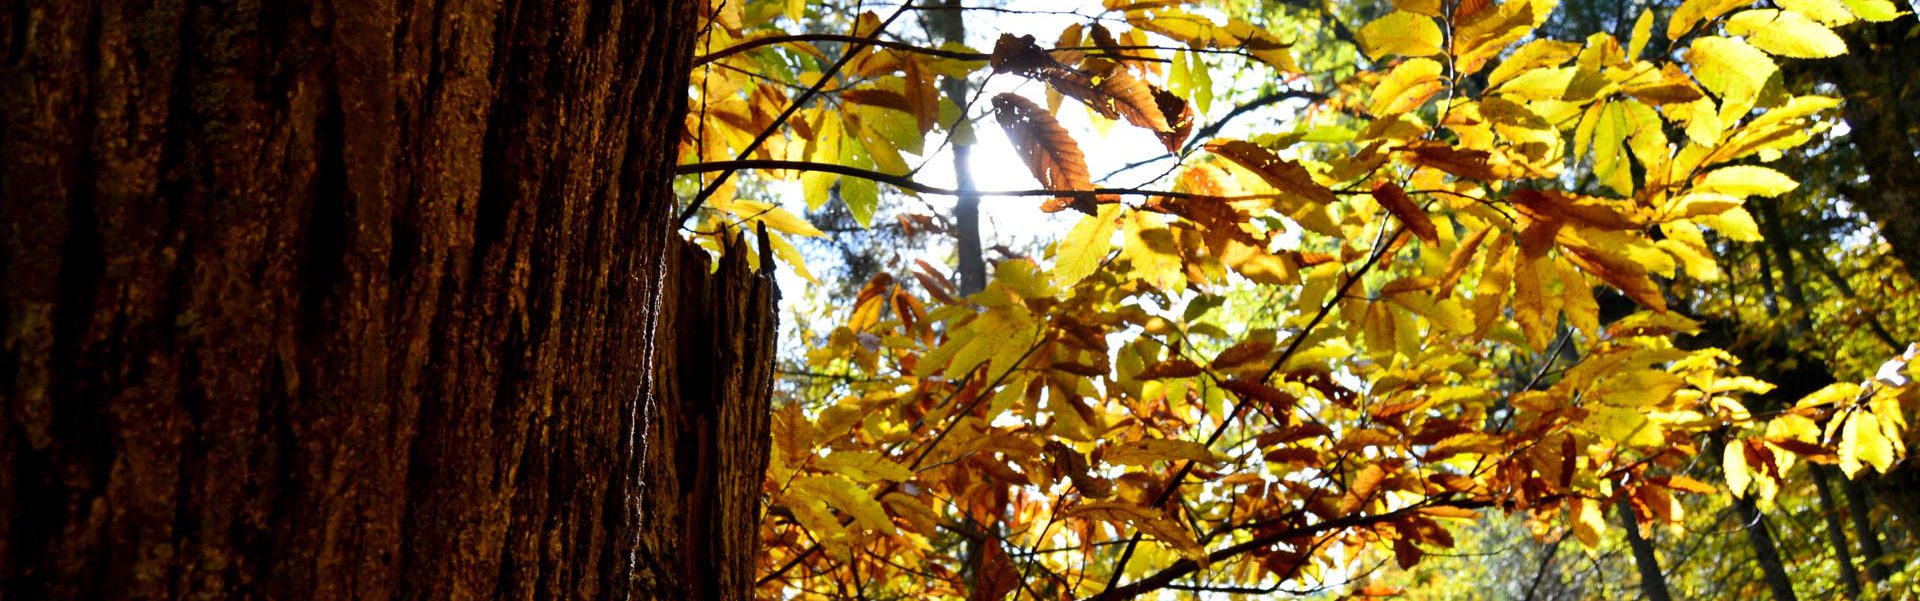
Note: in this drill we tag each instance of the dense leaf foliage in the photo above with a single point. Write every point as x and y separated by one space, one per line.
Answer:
1468 276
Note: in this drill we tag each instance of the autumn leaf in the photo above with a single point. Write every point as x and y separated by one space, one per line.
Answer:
1049 151
1284 175
1395 201
1400 32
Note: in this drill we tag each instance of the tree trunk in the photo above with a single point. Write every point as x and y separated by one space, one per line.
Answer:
1836 532
367 300
950 27
1653 583
1859 509
1772 571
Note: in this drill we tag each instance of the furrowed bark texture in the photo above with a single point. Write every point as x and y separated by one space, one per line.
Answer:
364 299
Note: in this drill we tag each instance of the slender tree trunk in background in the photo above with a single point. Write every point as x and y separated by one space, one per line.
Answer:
370 300
1836 531
1859 508
947 24
1772 571
1653 583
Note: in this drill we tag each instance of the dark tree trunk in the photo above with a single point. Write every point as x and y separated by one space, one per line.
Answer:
1836 532
1653 583
375 299
1772 571
972 261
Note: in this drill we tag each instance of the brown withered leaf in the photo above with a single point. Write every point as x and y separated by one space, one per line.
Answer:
1241 353
1179 118
1077 470
1464 163
1276 400
997 576
1284 175
1172 368
1050 153
1584 210
1457 262
1620 272
1395 201
1468 8
1118 94
878 97
1020 55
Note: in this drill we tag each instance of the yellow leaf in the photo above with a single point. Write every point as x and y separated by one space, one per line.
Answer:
1746 180
1537 54
1642 32
1406 87
1874 10
1429 8
1828 12
1589 522
1735 223
1786 34
786 252
1734 463
1869 443
1540 84
1085 246
1692 12
867 466
851 498
775 217
1732 70
1149 521
1400 32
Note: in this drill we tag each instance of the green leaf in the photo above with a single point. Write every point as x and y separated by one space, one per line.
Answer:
1786 34
861 196
1085 246
1402 33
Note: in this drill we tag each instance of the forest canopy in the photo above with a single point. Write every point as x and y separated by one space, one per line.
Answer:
1543 299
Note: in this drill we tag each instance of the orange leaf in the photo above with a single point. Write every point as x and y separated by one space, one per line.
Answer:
1050 153
1395 201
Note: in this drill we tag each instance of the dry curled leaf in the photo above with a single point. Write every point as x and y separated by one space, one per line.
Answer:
1050 153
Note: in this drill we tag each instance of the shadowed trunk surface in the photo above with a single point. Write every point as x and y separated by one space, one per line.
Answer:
371 299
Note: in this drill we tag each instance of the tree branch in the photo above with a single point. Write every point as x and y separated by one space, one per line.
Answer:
1187 566
907 183
852 50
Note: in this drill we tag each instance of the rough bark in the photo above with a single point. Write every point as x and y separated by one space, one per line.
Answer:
365 299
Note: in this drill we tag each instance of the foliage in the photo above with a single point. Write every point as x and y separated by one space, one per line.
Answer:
1307 352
